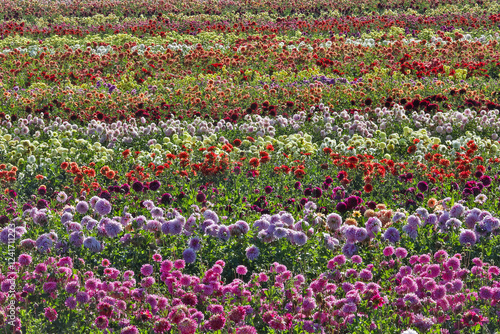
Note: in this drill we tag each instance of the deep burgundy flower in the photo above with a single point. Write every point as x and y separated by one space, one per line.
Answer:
410 203
297 185
467 192
105 194
308 192
137 186
317 192
113 189
166 199
485 180
268 189
125 188
3 220
42 190
470 184
371 204
422 186
42 204
351 202
201 197
341 207
154 185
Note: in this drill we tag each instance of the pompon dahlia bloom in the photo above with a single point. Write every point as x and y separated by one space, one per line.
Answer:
148 281
147 270
82 297
189 255
44 243
166 266
373 226
252 252
157 212
154 185
62 197
137 186
217 322
401 252
241 270
246 330
179 264
166 199
422 186
388 251
161 325
200 197
93 244
409 331
195 243
223 233
392 235
349 249
101 322
471 318
130 330
334 221
49 287
210 215
82 207
467 238
70 303
103 207
24 259
187 326
113 228
50 314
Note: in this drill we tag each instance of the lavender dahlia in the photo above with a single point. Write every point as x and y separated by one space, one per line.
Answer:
103 207
392 235
113 228
82 207
93 244
467 238
189 255
195 244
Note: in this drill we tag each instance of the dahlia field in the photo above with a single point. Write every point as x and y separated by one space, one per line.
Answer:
243 167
